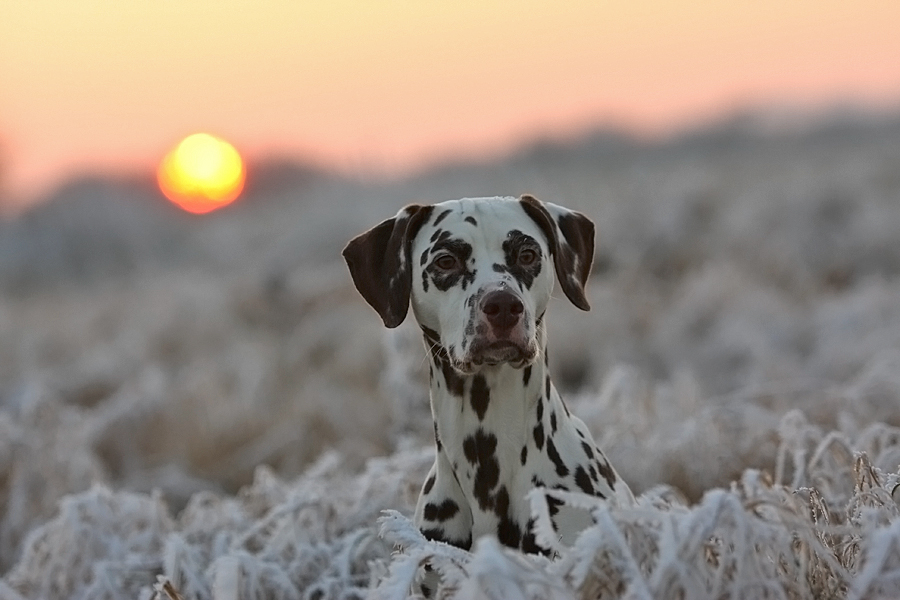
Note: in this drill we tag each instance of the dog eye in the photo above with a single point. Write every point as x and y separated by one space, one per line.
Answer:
527 257
446 262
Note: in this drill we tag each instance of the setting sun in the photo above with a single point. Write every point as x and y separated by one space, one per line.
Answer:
202 173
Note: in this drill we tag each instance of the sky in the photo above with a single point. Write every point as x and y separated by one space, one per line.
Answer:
386 86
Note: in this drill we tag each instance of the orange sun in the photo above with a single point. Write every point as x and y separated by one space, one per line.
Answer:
201 174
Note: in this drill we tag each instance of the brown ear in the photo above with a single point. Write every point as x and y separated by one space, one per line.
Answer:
379 262
571 238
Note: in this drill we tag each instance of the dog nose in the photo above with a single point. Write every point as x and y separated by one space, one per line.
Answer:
502 309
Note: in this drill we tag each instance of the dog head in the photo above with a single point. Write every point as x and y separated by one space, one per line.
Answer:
478 273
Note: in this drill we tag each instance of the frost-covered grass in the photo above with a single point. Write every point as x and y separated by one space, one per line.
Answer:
206 409
830 533
827 526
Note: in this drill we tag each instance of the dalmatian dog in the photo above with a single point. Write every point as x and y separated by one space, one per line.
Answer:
479 274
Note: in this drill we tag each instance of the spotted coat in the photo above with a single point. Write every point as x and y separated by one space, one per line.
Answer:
478 274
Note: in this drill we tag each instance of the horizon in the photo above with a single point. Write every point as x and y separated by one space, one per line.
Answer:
761 123
106 88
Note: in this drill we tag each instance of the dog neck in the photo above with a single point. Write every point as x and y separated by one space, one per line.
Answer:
496 398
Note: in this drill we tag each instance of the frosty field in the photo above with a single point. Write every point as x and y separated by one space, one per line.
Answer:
206 408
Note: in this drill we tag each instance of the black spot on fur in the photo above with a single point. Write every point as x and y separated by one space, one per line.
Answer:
424 258
471 220
508 533
523 457
553 505
438 233
583 481
547 387
529 543
469 278
480 396
606 472
486 478
526 375
429 483
437 437
426 591
480 451
540 410
537 481
444 280
425 281
515 243
431 336
435 534
444 511
455 382
501 502
539 435
442 216
553 422
561 469
589 452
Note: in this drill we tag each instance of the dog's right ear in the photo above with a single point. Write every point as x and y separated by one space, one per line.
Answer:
571 238
380 263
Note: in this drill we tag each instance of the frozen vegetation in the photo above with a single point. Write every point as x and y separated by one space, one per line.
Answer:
204 408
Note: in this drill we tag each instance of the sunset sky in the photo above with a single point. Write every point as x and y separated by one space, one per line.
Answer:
112 85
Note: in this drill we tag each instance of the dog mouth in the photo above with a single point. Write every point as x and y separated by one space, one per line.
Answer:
497 353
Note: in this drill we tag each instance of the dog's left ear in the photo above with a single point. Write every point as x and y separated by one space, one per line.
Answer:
571 238
379 262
